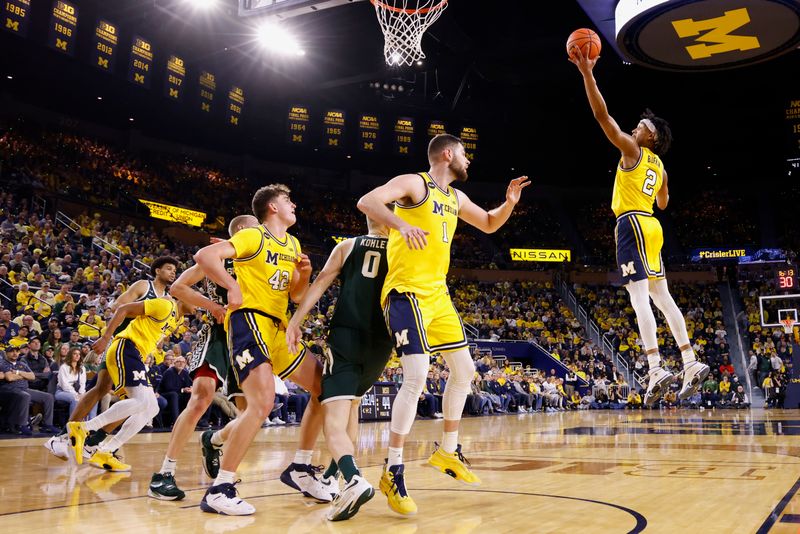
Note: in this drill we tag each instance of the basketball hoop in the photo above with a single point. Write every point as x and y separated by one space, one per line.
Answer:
403 22
788 325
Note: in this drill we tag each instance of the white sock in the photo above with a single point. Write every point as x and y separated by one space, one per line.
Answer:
450 441
216 439
168 467
395 456
225 477
303 457
688 356
654 360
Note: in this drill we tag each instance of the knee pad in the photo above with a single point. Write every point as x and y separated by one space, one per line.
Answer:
415 372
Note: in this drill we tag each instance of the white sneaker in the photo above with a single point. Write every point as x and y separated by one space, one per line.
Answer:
438 415
357 492
659 380
303 479
331 485
278 421
693 376
57 445
222 499
89 450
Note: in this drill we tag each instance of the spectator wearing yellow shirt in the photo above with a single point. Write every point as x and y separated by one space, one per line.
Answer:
23 296
21 338
44 305
91 325
34 272
634 400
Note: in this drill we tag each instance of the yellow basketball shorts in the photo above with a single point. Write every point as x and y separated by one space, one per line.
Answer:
423 325
639 240
125 365
254 338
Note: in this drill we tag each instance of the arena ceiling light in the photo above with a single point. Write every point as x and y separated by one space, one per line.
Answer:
277 39
202 5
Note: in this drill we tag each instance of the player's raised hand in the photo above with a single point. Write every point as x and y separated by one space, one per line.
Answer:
303 265
293 337
414 236
582 61
515 188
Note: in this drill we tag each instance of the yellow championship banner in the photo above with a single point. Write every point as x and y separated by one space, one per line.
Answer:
540 254
174 213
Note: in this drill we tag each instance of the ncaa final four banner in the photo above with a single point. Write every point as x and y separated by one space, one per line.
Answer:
16 14
369 128
436 128
175 78
297 123
333 132
403 135
104 45
63 27
469 136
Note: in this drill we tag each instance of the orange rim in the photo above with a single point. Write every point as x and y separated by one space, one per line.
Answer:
422 11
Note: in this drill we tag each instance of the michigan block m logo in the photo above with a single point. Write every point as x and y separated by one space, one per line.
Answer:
12 25
718 33
628 268
401 338
140 375
243 359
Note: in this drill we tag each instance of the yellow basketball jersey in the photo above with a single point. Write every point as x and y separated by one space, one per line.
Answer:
160 319
264 266
423 271
635 188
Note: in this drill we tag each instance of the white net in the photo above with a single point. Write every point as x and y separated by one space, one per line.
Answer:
788 325
403 23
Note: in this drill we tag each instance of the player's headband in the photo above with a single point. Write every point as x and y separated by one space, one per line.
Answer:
649 125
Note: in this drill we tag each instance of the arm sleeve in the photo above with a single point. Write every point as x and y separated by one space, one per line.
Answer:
82 387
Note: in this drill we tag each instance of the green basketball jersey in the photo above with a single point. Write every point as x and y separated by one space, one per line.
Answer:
151 293
216 292
362 276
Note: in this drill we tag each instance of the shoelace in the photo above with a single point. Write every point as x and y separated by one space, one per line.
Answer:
229 489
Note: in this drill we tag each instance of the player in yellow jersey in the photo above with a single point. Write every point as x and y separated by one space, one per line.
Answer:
416 302
270 268
641 181
152 320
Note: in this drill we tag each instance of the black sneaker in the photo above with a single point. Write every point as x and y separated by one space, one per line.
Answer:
211 454
163 488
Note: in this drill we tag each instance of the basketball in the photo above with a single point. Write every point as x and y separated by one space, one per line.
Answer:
585 39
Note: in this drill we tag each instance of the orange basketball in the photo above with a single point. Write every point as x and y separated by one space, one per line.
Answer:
585 39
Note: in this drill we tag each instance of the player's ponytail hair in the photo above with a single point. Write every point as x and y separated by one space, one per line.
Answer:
663 132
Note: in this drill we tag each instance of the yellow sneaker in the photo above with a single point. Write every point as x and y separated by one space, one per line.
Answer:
77 433
109 462
453 464
393 485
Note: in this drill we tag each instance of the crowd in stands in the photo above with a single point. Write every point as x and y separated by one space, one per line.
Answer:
57 284
769 348
611 309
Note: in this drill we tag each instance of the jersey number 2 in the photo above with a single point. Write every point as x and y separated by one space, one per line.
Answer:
650 182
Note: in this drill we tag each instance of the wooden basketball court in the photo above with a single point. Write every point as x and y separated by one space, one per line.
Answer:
621 471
